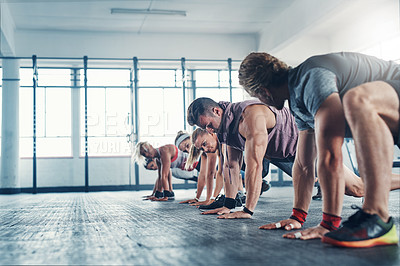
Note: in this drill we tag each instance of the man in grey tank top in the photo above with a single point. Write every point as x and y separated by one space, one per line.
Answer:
261 132
325 93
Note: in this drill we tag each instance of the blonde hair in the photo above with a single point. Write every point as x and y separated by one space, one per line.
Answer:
194 153
193 157
137 156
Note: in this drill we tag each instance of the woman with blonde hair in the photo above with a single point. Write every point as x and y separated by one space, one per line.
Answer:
208 169
167 157
207 144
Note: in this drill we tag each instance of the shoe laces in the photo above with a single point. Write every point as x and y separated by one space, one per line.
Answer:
357 219
219 198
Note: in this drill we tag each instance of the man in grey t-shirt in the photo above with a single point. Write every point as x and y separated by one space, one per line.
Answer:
325 92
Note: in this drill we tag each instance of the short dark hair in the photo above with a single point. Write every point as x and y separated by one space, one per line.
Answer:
200 106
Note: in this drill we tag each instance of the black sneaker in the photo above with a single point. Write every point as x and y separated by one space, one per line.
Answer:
240 200
169 194
218 203
243 199
158 194
363 230
318 196
265 186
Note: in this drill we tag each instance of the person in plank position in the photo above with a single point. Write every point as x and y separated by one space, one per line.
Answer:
261 132
333 96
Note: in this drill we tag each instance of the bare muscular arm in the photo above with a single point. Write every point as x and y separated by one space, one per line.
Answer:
231 174
254 128
166 153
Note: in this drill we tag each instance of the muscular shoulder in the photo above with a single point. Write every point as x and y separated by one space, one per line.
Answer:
258 115
256 120
255 109
167 149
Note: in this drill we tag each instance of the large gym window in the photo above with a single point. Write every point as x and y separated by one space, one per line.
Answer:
160 77
160 114
213 84
108 115
53 113
1 100
160 105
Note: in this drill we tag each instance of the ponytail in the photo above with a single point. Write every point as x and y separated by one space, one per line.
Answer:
193 157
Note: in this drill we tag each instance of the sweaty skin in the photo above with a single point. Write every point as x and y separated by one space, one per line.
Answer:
254 125
205 178
209 144
208 169
255 122
326 141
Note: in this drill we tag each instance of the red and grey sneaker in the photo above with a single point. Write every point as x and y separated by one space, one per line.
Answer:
363 230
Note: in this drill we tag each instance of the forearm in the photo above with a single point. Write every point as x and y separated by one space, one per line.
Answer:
253 178
219 183
164 180
158 185
165 168
231 176
200 185
303 183
303 171
209 185
155 187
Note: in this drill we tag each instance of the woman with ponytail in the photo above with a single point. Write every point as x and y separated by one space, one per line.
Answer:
208 167
163 159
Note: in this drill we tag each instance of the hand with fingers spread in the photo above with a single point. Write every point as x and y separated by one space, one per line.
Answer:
218 211
287 224
205 202
190 201
160 199
235 215
310 233
149 198
295 221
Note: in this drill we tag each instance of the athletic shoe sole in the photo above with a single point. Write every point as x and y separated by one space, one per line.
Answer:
390 238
